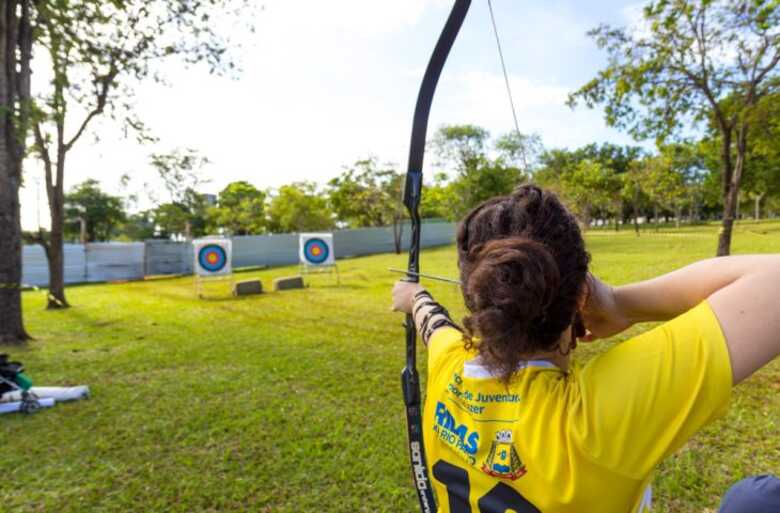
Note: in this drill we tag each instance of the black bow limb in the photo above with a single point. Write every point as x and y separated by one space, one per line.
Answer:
410 379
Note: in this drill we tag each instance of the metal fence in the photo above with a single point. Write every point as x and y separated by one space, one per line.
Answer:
101 261
113 261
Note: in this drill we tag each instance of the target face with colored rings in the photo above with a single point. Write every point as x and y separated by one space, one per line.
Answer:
212 258
316 251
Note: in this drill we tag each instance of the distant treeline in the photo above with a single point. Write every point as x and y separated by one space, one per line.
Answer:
606 182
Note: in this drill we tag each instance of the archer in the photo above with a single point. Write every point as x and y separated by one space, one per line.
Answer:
580 438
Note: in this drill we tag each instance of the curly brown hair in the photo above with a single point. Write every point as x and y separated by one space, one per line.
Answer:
523 267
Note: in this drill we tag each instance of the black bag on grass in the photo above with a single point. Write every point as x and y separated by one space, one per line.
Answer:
12 374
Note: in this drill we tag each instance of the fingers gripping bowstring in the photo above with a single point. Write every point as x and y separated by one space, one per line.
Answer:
503 67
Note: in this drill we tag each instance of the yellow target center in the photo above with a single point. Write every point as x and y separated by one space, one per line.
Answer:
316 251
212 258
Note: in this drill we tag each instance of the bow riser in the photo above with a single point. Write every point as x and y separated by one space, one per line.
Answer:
410 379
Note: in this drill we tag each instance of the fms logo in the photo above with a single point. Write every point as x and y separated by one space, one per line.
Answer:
454 434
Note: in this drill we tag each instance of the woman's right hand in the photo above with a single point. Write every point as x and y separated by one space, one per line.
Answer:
601 312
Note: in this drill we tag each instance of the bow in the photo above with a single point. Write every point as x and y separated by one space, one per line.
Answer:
410 379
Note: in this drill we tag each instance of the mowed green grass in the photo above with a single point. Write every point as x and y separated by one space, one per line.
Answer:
290 402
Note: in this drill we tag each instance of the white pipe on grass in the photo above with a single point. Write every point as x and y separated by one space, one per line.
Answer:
17 405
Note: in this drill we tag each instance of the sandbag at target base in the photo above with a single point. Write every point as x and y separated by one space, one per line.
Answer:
289 283
247 288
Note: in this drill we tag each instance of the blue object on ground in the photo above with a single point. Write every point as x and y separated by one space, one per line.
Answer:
757 494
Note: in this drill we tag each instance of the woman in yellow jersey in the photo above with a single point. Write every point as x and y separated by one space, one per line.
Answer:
512 423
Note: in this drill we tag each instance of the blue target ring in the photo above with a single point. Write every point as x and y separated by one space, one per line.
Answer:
212 258
316 251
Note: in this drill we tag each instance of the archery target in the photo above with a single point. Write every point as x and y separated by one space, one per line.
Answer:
316 249
212 257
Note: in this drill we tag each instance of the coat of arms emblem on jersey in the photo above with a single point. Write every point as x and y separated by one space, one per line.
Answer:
502 460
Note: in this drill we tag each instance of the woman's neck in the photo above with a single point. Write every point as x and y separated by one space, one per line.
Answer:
554 357
561 357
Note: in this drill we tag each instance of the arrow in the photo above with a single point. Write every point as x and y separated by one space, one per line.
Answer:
423 275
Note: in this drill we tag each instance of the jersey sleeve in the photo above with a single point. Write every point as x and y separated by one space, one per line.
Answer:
644 398
443 342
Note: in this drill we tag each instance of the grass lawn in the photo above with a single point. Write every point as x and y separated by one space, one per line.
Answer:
290 402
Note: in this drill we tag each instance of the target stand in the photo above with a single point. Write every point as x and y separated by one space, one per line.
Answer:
213 263
316 255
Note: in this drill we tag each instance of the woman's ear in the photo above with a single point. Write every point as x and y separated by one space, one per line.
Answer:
578 326
584 294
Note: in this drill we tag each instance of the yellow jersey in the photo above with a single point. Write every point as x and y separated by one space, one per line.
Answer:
585 441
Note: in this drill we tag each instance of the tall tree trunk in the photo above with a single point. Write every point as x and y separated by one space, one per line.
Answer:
655 216
636 211
83 230
691 208
11 326
757 206
586 217
55 250
618 215
398 230
56 247
732 176
14 87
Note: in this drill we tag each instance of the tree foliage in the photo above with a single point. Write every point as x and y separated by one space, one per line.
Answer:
367 194
465 149
101 213
691 61
240 210
97 53
299 207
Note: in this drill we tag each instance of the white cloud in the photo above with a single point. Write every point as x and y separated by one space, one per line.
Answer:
364 18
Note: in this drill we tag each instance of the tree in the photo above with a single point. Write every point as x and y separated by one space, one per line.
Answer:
762 163
695 60
98 51
559 167
16 41
633 191
180 171
186 218
764 154
138 226
520 150
463 146
487 179
172 219
240 209
478 177
299 207
663 184
100 213
368 195
588 186
438 199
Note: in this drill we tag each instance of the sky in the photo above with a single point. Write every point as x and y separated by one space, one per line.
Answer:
324 84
